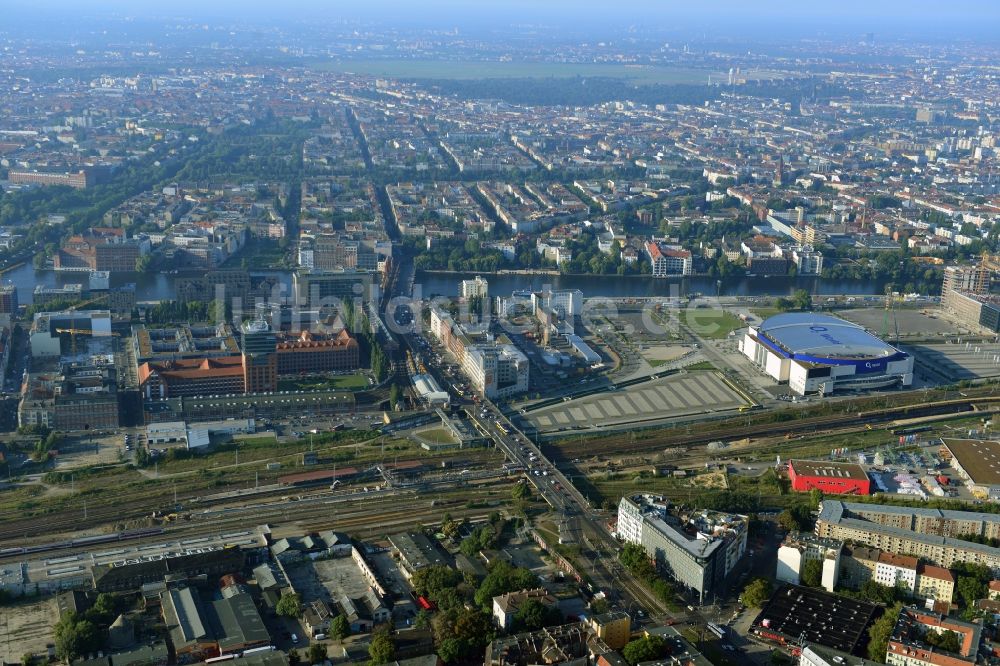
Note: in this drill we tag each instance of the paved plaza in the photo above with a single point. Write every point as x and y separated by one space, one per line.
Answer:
681 395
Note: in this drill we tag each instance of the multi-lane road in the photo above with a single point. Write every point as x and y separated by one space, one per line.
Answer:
597 545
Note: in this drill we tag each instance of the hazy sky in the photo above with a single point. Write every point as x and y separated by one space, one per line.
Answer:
885 17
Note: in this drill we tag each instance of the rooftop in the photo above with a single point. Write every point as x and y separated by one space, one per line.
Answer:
821 335
980 459
818 617
913 624
828 469
700 533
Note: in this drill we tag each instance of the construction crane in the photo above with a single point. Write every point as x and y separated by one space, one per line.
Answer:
72 308
72 336
890 308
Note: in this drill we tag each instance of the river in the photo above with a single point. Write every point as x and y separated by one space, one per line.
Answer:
616 286
159 286
148 286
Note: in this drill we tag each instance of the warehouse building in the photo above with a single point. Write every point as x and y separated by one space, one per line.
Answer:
978 463
832 478
795 614
128 565
816 353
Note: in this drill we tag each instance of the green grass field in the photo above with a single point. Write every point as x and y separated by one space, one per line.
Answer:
437 436
712 324
442 69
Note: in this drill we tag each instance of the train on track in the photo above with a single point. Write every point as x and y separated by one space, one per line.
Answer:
126 535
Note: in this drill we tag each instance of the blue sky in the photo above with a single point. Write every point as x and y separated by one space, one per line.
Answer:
880 16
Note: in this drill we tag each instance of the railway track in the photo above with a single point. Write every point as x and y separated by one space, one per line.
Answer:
85 516
380 514
734 430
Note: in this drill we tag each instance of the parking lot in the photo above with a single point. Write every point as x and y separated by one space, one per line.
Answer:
679 395
910 322
954 361
86 451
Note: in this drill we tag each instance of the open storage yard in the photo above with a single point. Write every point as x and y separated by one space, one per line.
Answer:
25 628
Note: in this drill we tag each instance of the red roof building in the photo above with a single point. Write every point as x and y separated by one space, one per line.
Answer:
831 478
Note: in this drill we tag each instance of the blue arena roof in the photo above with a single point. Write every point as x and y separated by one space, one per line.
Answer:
817 337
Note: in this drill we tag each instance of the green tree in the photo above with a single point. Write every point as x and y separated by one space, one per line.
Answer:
76 637
971 582
501 579
647 648
293 657
880 631
970 589
422 619
432 581
812 573
462 632
382 648
796 518
340 628
599 606
949 641
802 299
635 559
449 650
521 492
533 614
756 593
877 592
395 395
317 653
290 605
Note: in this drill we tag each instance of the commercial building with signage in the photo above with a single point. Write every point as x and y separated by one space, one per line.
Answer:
816 353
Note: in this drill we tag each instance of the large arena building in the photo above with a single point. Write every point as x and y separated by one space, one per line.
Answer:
816 353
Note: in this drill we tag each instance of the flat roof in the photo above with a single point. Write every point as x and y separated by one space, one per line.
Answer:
417 549
829 656
832 470
832 511
114 554
980 459
822 335
820 617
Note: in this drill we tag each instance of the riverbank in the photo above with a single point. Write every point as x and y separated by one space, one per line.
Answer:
446 283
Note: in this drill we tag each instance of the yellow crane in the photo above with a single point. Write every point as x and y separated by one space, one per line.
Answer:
72 336
101 297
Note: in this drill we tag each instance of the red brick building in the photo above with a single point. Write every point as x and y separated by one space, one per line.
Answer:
309 353
832 478
101 249
159 380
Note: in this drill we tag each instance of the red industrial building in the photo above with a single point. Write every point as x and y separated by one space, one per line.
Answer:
832 478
